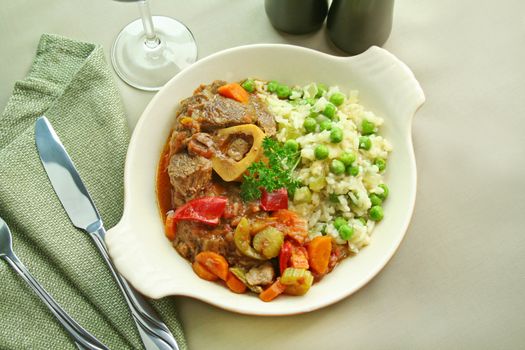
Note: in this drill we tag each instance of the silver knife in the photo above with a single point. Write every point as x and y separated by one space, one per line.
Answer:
83 214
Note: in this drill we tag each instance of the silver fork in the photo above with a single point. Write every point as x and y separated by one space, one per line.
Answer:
83 339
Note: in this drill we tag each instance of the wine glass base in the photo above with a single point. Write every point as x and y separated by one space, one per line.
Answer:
149 68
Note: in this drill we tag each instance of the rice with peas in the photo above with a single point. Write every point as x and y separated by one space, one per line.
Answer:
326 194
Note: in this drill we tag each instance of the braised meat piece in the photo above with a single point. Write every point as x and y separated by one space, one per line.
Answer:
213 111
260 275
189 176
200 97
178 141
221 112
202 144
264 119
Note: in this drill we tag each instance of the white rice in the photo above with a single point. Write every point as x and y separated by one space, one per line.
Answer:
350 194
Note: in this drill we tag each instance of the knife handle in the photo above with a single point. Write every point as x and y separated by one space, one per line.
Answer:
149 324
82 338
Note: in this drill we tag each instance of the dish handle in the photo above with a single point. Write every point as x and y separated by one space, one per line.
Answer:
130 258
395 82
124 251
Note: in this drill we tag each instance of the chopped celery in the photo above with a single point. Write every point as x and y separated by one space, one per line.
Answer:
310 90
268 242
297 281
242 239
302 195
318 184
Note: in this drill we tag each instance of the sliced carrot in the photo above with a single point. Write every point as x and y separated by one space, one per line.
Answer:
235 284
215 263
319 250
170 226
272 291
234 91
203 272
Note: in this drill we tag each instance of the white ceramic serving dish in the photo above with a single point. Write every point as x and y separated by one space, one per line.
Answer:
146 258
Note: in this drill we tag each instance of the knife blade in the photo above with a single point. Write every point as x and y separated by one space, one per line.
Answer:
64 178
82 212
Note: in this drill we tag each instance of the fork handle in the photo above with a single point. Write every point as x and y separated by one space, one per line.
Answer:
79 334
154 333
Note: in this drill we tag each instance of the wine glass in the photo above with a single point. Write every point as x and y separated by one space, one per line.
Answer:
152 49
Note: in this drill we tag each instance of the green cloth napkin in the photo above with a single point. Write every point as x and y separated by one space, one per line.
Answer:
71 84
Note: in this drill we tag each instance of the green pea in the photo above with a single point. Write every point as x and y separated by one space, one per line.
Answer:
339 221
329 110
352 170
346 232
376 213
380 163
347 158
375 199
337 167
336 135
325 125
385 193
321 89
249 85
309 124
321 152
365 142
367 127
337 98
363 220
272 86
292 145
283 91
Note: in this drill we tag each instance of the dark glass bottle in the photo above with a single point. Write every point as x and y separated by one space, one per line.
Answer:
355 25
296 16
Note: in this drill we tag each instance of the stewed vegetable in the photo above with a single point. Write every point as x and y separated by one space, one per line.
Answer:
242 239
268 242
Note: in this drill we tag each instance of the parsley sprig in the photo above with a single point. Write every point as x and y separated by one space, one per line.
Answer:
272 175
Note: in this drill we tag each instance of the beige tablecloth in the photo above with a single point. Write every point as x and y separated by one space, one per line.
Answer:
458 279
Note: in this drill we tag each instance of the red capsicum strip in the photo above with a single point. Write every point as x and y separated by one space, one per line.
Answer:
293 255
207 210
271 201
285 255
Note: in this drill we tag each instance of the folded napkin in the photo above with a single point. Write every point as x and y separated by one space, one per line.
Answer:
71 84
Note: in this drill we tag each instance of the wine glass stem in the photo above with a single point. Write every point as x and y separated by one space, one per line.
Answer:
152 39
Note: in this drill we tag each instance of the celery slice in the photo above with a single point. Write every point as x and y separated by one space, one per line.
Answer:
302 195
242 239
297 281
268 242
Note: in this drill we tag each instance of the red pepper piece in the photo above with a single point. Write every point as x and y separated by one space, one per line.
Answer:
285 255
275 200
207 210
